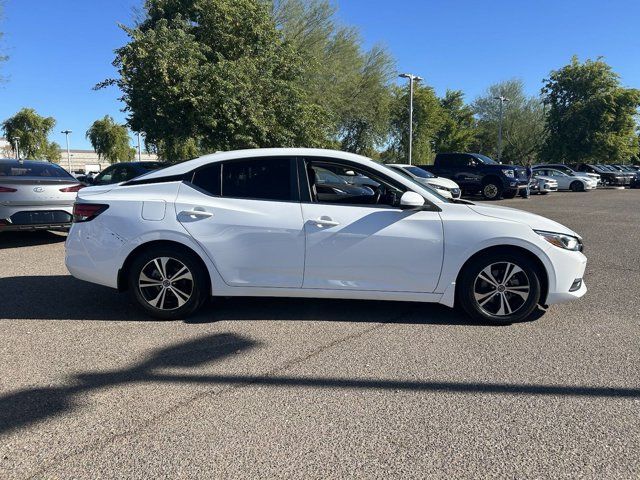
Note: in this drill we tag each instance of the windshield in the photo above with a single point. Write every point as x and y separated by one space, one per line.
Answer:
485 159
325 176
418 172
421 186
558 173
33 169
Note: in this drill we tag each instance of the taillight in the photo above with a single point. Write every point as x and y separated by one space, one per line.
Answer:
75 188
83 212
7 190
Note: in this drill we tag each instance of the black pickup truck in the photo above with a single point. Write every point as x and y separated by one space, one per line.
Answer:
478 173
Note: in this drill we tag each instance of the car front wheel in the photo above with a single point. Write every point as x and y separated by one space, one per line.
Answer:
167 284
492 191
499 288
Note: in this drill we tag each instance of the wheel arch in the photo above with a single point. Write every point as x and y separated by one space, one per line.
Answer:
543 273
492 178
123 272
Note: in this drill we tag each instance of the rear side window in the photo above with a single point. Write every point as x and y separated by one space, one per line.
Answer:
208 179
269 178
32 169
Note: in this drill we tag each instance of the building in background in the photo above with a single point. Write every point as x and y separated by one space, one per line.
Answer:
81 160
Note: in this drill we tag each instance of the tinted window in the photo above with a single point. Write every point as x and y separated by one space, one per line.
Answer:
259 178
29 169
208 179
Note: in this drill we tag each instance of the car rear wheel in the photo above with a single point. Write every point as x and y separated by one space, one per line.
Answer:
499 288
168 284
577 186
492 191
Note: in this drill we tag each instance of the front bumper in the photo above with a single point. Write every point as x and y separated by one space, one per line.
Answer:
569 267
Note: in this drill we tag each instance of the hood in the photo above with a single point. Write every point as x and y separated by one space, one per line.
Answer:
443 182
536 222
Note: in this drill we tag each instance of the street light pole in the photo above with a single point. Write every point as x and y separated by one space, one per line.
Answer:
502 100
139 148
16 141
67 132
412 78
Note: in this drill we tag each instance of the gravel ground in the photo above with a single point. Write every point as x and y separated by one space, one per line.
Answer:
259 388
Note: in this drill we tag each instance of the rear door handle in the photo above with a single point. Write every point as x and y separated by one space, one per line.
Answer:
197 213
325 221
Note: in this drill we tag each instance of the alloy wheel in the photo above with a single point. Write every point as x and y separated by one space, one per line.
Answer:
166 283
490 191
501 289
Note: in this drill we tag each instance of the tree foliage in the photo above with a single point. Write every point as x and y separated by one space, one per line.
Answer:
352 85
205 75
457 132
523 131
110 140
33 131
428 116
590 115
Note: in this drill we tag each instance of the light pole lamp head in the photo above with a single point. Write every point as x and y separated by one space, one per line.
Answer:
66 132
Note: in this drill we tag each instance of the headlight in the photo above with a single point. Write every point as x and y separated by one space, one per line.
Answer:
439 187
510 173
566 242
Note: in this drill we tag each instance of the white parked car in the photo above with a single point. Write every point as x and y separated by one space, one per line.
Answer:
446 188
543 185
566 181
252 223
570 171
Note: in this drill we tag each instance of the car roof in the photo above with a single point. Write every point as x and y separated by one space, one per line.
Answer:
184 167
14 161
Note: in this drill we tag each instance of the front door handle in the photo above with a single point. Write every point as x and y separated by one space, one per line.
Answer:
197 213
325 221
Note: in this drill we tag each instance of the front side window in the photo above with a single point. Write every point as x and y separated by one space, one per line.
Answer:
104 178
269 178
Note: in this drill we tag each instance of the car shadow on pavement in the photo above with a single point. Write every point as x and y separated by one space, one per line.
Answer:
25 407
30 239
63 297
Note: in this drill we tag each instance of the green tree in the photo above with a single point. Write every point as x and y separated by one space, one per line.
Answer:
204 75
427 122
457 132
523 130
351 84
110 140
590 115
33 131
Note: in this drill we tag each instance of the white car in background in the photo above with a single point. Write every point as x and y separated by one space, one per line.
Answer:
251 223
542 185
446 188
570 171
566 181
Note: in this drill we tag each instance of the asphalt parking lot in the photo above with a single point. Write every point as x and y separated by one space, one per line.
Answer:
260 388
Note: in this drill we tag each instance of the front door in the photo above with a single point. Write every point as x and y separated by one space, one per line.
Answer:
357 237
246 215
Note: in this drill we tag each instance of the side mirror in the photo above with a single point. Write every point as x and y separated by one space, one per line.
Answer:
350 173
411 200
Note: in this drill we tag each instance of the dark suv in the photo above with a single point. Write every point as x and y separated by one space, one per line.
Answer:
475 173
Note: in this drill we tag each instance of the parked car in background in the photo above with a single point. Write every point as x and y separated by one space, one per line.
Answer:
35 195
566 181
447 188
635 183
628 176
607 177
330 185
250 223
570 171
541 184
122 172
475 173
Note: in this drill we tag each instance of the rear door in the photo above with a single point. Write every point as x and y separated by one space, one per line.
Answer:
246 215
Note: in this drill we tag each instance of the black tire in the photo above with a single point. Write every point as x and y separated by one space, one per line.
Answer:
543 193
577 186
509 194
472 290
492 190
182 296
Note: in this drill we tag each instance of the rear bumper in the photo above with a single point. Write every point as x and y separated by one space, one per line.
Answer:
35 217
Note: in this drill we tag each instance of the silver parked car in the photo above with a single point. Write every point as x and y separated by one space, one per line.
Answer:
35 195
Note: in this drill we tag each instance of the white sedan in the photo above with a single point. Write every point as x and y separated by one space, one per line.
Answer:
253 223
446 188
566 181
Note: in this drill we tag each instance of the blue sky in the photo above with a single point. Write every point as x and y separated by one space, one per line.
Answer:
60 49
